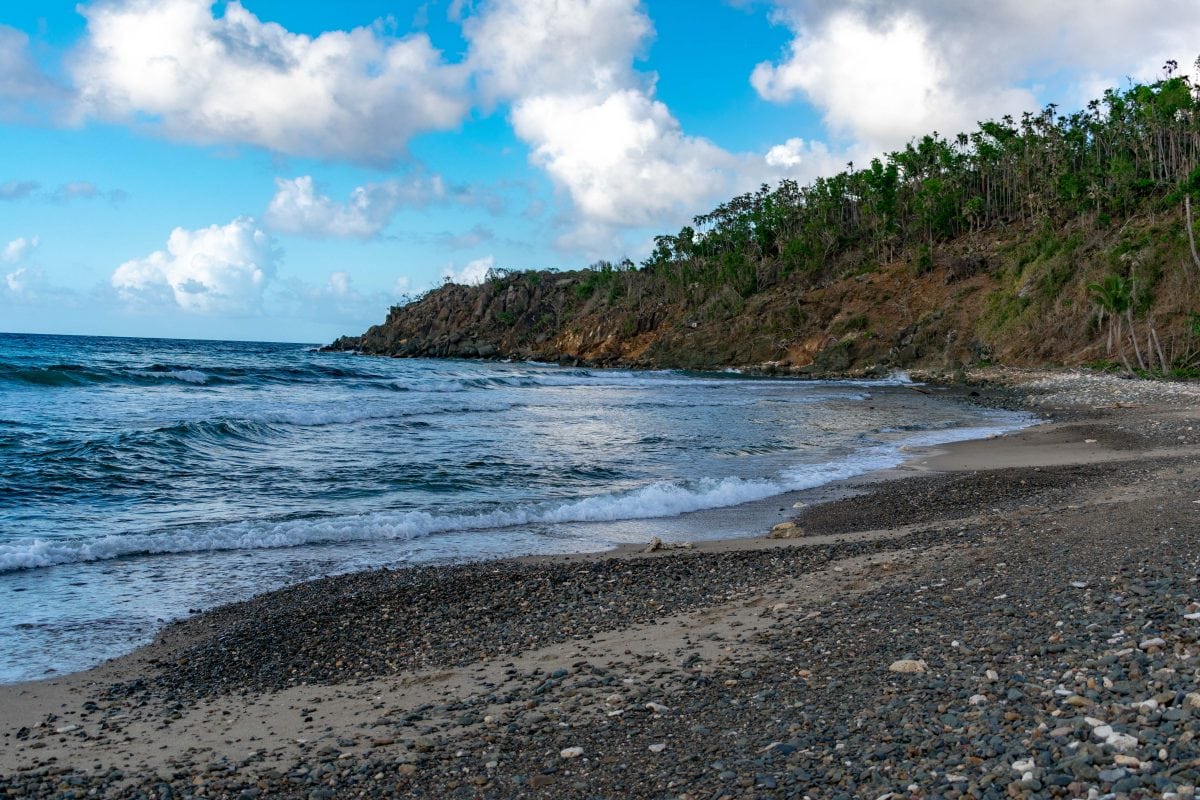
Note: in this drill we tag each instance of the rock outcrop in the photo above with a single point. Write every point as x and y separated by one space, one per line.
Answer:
983 300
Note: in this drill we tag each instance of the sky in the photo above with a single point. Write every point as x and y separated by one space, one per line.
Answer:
284 170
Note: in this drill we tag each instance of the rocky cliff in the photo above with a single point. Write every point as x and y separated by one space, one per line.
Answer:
1016 296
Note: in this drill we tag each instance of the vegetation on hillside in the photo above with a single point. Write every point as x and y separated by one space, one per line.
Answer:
1081 223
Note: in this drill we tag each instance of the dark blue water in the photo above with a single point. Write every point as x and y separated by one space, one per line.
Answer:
141 478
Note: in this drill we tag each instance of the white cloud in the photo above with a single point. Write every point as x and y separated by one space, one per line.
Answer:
533 47
213 270
880 85
24 283
172 65
31 287
22 84
884 72
592 121
475 272
297 207
623 157
18 248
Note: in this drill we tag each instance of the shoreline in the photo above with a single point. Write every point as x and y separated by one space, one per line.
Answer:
687 630
601 536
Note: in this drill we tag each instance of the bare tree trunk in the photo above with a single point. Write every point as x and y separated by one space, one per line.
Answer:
1158 347
1121 345
1187 207
1137 351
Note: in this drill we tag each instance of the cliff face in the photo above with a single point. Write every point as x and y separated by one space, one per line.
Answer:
1019 297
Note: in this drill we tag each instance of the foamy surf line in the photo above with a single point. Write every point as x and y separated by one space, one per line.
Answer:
656 500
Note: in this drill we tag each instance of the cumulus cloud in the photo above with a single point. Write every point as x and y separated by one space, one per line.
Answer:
221 269
170 64
18 248
473 273
524 47
883 72
623 157
31 287
25 283
591 120
298 207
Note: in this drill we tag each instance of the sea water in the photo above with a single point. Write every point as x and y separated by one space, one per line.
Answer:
141 479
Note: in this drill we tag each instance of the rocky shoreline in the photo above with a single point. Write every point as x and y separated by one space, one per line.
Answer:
1022 619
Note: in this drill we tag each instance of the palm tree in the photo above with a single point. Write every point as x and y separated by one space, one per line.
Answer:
1113 298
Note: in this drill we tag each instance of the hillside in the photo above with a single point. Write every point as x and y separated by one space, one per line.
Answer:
1049 240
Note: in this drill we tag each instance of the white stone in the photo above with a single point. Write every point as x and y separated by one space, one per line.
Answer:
1192 700
571 752
657 748
909 665
1024 765
978 700
1079 584
1157 641
657 708
1122 742
992 675
66 729
614 700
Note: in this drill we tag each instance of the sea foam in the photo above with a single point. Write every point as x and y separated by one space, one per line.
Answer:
655 500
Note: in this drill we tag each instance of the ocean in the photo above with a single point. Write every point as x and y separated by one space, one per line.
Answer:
144 479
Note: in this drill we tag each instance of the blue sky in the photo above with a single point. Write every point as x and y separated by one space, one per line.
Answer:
287 170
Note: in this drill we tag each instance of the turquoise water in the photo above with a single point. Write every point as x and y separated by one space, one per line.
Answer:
143 478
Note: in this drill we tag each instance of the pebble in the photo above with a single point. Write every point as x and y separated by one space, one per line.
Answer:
908 665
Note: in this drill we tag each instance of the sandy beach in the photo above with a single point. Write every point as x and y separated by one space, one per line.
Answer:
1012 617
